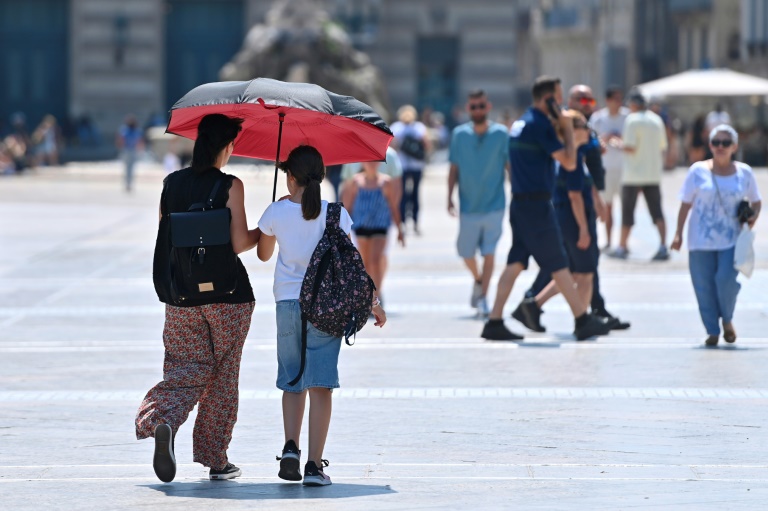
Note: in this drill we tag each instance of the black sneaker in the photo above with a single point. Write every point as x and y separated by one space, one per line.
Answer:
164 461
494 330
614 322
228 472
289 462
314 475
529 314
591 327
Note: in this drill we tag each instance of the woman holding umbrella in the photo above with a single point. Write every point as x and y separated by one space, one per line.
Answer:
204 337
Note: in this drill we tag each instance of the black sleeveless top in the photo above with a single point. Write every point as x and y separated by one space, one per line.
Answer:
181 189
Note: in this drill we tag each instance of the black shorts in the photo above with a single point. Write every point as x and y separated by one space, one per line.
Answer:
629 193
364 232
536 232
579 261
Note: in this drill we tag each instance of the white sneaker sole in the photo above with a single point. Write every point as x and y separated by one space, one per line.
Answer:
317 481
221 477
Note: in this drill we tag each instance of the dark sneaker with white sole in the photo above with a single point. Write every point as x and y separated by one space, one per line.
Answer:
591 326
164 461
290 465
314 475
529 314
228 472
613 321
494 330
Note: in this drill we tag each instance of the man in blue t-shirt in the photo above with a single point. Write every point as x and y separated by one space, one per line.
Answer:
479 153
533 147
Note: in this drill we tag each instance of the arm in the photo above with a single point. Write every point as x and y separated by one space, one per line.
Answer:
453 176
349 194
567 155
242 238
756 206
600 206
266 247
390 193
577 206
682 215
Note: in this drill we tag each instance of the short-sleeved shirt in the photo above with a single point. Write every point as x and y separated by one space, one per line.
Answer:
606 124
391 167
532 140
131 137
481 160
296 240
415 129
645 132
578 180
714 224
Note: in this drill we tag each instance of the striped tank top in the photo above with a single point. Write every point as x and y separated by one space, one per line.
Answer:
371 210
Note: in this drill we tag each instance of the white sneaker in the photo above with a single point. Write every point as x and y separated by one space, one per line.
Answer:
482 308
477 293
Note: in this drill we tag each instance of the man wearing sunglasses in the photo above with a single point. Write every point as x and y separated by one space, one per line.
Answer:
479 154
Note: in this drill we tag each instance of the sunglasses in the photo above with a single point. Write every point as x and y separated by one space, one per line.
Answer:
587 101
725 143
478 106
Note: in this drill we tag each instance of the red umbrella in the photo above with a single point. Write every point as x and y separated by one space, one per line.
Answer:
280 116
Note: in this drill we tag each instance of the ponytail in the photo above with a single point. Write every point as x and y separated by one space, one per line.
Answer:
214 133
310 200
306 166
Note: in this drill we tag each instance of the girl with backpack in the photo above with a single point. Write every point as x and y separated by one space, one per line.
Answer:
203 336
297 223
372 200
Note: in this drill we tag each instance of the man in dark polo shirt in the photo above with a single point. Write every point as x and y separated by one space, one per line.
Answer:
533 147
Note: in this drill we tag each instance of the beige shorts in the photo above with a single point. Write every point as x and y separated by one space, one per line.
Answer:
612 184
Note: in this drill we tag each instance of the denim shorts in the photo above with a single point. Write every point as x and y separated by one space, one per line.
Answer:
479 230
321 367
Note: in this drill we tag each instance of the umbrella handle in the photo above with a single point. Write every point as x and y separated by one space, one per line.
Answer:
281 118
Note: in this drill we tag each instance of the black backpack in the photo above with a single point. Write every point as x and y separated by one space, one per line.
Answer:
413 147
337 292
203 264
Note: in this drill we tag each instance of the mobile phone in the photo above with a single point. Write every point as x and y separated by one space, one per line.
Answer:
554 109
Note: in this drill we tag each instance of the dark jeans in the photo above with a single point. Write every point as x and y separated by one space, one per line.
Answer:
333 173
411 180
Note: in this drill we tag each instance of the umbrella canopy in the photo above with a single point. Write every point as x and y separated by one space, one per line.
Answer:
280 116
706 82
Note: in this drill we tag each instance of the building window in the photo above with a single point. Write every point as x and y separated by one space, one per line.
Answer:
360 19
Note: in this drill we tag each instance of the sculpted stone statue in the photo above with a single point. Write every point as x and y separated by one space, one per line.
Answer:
300 43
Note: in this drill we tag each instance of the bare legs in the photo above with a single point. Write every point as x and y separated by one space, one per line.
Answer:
584 289
485 277
608 222
320 407
372 252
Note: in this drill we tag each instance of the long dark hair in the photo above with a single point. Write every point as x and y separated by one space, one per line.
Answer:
306 166
214 133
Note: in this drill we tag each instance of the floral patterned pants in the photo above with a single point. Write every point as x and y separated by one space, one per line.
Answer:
203 347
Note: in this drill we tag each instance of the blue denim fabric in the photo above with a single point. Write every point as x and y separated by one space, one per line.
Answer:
715 285
321 367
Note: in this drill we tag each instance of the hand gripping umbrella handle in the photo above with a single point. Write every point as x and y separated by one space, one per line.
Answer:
281 117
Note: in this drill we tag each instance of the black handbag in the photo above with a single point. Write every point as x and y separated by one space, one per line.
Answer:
202 262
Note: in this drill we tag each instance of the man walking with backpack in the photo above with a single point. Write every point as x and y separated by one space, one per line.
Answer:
412 144
479 154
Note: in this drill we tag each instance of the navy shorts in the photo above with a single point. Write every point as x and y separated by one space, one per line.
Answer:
536 232
579 261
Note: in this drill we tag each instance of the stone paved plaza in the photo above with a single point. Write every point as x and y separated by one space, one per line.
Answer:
429 415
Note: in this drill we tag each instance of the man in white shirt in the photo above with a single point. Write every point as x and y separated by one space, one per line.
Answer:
644 142
717 117
608 122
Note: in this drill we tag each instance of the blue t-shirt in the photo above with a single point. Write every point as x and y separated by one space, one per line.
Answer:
481 161
131 137
578 180
532 140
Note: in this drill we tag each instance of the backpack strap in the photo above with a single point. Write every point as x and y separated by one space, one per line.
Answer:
322 269
209 203
333 214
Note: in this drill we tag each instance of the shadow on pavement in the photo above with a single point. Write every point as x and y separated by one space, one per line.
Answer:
234 490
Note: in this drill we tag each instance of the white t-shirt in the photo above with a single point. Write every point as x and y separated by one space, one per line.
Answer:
391 167
606 124
296 239
713 224
645 131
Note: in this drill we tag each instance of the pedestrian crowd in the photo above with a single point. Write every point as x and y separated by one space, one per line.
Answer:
567 161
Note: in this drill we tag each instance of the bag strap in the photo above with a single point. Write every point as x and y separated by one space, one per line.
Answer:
209 203
333 214
322 269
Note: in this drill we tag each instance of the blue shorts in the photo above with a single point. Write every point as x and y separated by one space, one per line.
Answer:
479 230
536 232
579 261
321 366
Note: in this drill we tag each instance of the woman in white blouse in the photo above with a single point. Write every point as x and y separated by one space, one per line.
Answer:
712 192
